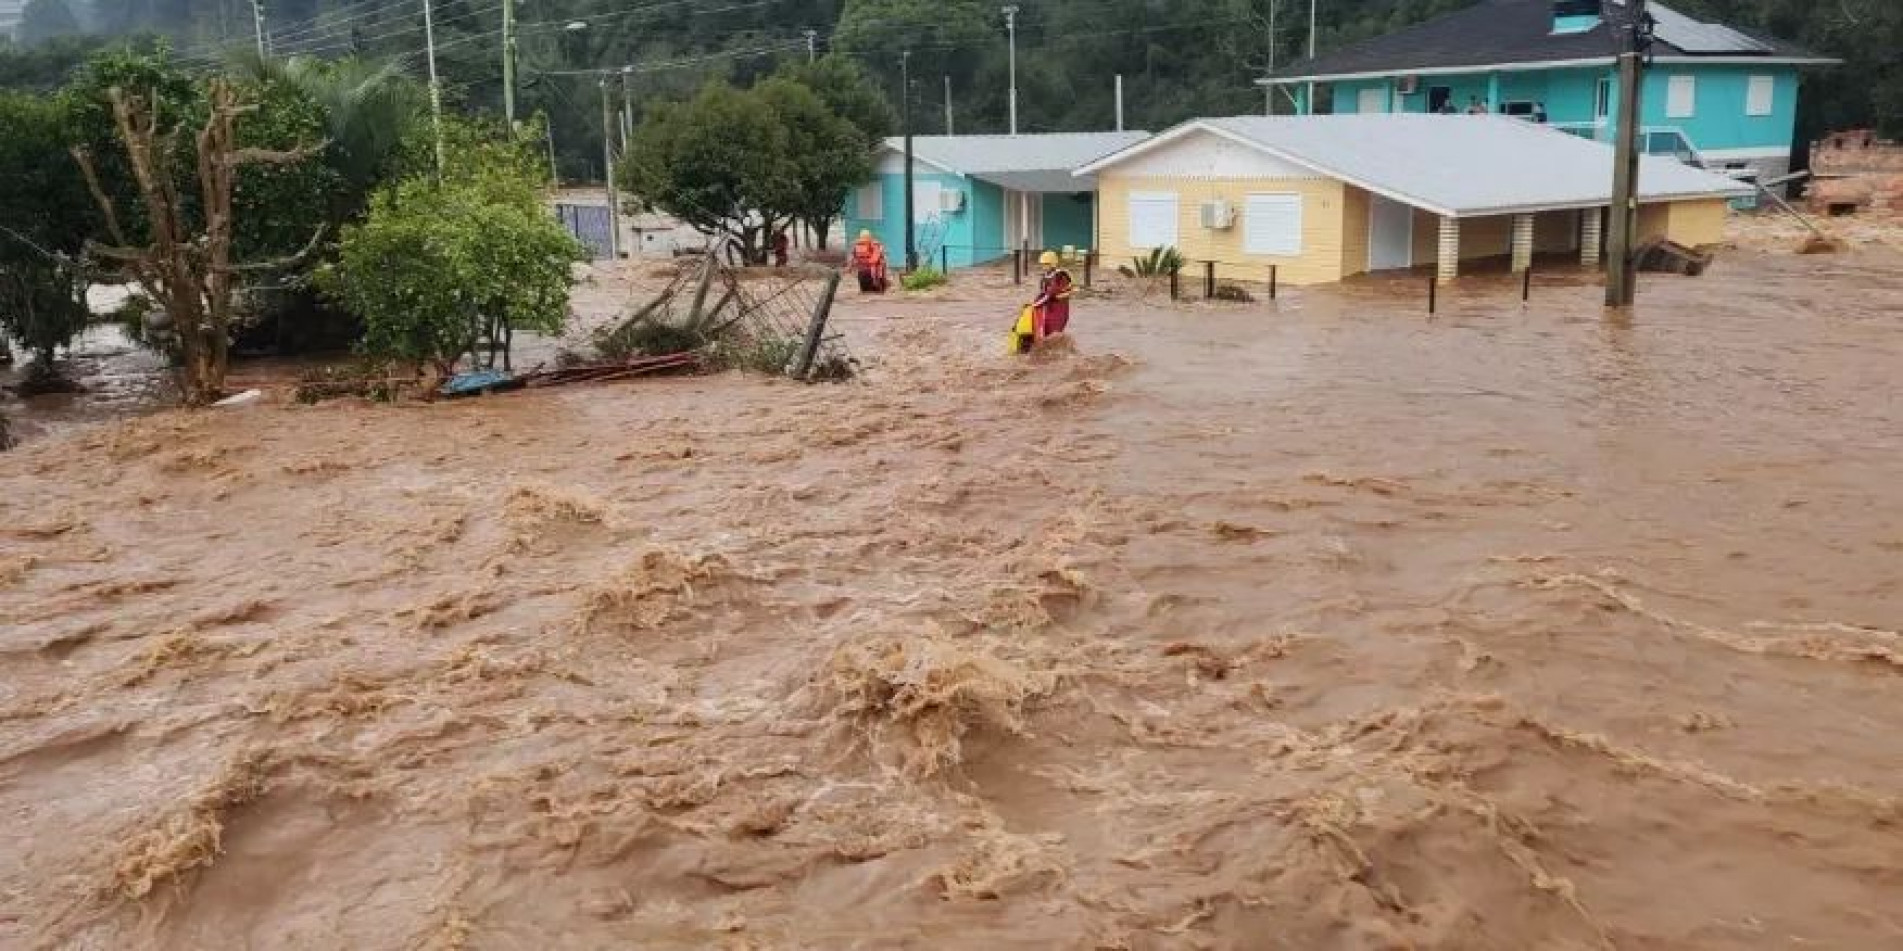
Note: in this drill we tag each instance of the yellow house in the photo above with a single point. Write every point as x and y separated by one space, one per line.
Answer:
1327 197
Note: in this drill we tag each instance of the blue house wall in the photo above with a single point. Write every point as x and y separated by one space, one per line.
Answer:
1719 123
976 234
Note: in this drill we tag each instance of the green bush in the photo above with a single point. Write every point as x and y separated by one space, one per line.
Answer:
1160 262
923 279
435 267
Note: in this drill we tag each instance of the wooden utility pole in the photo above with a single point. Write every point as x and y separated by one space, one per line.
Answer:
905 117
1621 267
608 171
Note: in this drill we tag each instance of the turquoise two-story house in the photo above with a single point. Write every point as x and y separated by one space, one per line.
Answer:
1715 95
977 198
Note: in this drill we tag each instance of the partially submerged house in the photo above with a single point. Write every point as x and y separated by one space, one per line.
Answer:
1325 197
978 197
1716 96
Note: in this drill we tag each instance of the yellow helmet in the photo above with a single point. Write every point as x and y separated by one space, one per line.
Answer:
865 234
1047 259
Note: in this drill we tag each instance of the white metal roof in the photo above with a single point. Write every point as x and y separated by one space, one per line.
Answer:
1462 165
1035 163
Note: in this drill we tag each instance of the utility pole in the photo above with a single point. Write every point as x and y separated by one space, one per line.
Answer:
1309 104
1119 102
257 20
627 106
435 86
812 45
508 64
905 118
1621 269
1011 27
948 107
1268 89
608 170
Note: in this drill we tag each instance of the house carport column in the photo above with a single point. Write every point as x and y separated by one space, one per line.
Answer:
1493 92
1522 242
1589 236
1447 262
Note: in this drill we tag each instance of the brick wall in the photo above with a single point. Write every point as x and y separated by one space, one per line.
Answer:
1858 170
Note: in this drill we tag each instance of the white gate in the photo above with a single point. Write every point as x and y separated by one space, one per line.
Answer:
1390 234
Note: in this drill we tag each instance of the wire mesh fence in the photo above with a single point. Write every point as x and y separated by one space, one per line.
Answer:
772 320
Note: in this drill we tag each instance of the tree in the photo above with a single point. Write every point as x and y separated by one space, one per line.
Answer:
718 162
436 266
186 264
840 140
43 225
848 92
826 156
43 20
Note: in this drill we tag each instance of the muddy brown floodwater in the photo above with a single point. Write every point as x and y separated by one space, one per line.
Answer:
1313 625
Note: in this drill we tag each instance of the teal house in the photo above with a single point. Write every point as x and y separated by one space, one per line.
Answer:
975 198
1715 96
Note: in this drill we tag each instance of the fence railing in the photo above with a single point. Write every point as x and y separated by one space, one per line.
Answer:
1209 275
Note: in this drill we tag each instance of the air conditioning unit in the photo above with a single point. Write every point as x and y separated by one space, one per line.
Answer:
1407 85
951 200
1218 215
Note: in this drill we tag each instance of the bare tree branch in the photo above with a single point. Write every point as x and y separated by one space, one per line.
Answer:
85 161
238 157
275 264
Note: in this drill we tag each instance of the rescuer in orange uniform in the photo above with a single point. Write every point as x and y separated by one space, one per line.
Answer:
868 262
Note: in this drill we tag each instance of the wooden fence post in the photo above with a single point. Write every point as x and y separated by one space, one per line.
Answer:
816 329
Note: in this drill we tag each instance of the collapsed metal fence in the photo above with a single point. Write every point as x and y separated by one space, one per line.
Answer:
772 320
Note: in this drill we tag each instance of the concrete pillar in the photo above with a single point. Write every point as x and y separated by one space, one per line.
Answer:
1522 242
1447 264
1589 225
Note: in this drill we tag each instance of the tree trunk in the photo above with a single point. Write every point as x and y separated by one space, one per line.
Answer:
822 230
190 275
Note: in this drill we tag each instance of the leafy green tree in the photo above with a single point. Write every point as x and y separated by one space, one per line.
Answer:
720 163
45 218
436 266
848 92
827 155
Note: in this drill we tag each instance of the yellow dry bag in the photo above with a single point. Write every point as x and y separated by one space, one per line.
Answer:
1024 332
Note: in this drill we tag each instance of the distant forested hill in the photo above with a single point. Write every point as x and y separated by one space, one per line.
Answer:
1178 57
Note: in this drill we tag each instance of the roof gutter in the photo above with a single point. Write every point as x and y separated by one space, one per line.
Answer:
1544 64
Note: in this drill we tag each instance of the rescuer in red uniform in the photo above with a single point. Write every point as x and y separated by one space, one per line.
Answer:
1052 307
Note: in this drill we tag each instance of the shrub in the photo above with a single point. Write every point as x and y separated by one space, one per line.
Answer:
923 279
436 266
1160 262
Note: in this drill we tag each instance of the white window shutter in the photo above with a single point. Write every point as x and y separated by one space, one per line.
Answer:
1759 96
1153 219
1372 100
1272 225
872 201
1681 97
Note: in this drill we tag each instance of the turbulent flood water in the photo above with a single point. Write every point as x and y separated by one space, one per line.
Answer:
1306 625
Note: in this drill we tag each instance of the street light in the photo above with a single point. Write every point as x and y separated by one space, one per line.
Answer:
1011 27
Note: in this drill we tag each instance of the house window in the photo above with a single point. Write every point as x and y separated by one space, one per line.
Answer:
1602 99
1153 219
1681 97
1440 99
1372 100
925 201
871 202
1759 93
1272 224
